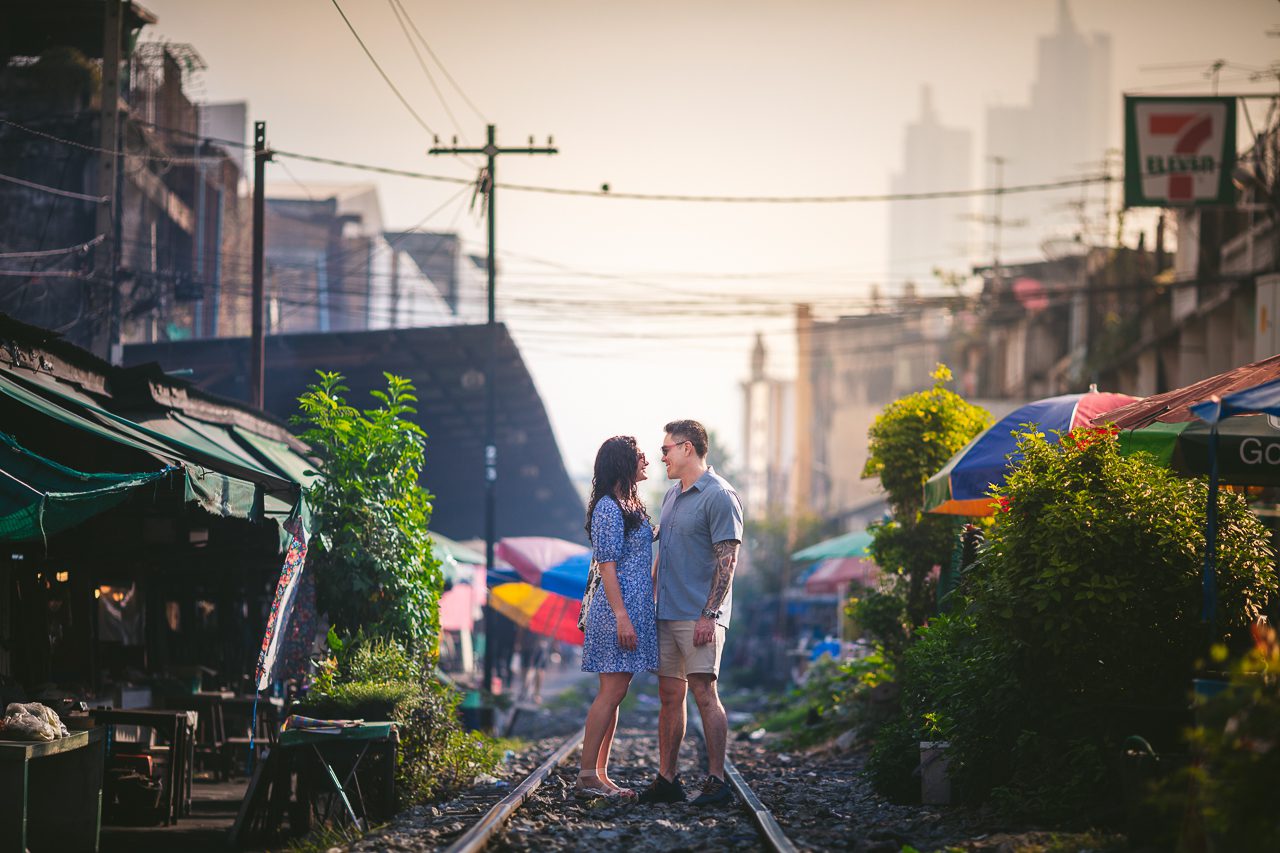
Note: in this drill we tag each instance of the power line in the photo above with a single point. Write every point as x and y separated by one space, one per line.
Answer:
369 54
97 199
49 253
667 197
423 65
441 65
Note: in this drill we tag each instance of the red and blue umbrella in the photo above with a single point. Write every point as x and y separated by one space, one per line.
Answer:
962 486
555 565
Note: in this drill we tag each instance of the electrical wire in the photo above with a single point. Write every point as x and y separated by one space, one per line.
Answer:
666 197
97 199
387 79
395 10
49 253
480 115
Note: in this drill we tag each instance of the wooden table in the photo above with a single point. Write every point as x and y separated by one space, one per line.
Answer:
51 793
175 726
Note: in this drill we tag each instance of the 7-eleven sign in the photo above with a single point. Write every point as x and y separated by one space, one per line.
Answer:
1179 151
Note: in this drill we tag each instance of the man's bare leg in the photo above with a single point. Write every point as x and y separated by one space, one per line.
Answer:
715 723
671 723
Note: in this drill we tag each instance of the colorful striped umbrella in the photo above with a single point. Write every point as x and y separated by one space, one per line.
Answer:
541 612
961 487
530 556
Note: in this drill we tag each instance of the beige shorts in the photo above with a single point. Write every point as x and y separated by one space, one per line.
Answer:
678 656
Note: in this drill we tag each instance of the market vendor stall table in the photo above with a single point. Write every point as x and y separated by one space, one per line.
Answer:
329 769
51 793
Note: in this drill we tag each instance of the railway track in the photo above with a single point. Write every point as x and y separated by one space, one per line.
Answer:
541 813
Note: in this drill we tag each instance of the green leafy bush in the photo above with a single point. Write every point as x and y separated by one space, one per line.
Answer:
1079 625
881 616
379 679
372 553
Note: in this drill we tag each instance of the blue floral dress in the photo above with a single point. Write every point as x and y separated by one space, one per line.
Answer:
633 553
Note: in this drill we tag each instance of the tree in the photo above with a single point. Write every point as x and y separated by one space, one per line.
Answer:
910 441
375 572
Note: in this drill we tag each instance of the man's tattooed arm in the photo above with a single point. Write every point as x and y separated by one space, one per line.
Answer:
726 561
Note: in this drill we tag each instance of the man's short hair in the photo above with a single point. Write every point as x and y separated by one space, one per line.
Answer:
690 431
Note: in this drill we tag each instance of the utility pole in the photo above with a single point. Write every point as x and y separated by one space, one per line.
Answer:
258 342
107 255
997 220
488 184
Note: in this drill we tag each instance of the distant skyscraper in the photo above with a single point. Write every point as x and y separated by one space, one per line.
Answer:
1062 133
924 235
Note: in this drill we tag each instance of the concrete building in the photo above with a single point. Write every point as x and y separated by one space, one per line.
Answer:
850 368
331 267
151 260
1062 131
925 235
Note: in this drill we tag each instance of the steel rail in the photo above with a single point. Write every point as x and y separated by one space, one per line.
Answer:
764 820
479 834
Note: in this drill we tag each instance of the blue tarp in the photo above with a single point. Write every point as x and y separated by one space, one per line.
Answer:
1264 398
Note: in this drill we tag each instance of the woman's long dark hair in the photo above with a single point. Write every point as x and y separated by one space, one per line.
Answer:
615 477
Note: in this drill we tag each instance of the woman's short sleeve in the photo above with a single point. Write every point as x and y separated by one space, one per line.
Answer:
606 531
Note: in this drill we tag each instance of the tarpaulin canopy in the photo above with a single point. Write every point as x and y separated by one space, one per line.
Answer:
1248 448
847 545
39 497
222 482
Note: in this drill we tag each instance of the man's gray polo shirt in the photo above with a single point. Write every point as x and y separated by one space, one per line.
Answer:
691 523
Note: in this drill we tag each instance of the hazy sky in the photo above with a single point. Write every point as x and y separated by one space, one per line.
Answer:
631 313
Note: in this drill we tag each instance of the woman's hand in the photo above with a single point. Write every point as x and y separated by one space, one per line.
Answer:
626 635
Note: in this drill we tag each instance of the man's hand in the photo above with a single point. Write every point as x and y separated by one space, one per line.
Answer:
626 635
704 631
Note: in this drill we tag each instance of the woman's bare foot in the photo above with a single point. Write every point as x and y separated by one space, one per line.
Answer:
625 793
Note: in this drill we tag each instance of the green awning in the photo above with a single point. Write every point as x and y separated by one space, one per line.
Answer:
442 546
1248 448
849 545
285 460
39 497
218 482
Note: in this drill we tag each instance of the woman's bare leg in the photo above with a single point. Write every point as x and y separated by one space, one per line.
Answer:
602 719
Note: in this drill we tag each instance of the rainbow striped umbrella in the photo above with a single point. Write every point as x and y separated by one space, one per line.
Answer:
538 610
961 487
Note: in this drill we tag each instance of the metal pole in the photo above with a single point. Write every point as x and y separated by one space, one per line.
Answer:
490 186
257 345
490 391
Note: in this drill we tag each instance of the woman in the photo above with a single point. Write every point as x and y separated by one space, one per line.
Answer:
621 634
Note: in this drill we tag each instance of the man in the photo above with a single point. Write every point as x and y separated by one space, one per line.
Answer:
699 532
